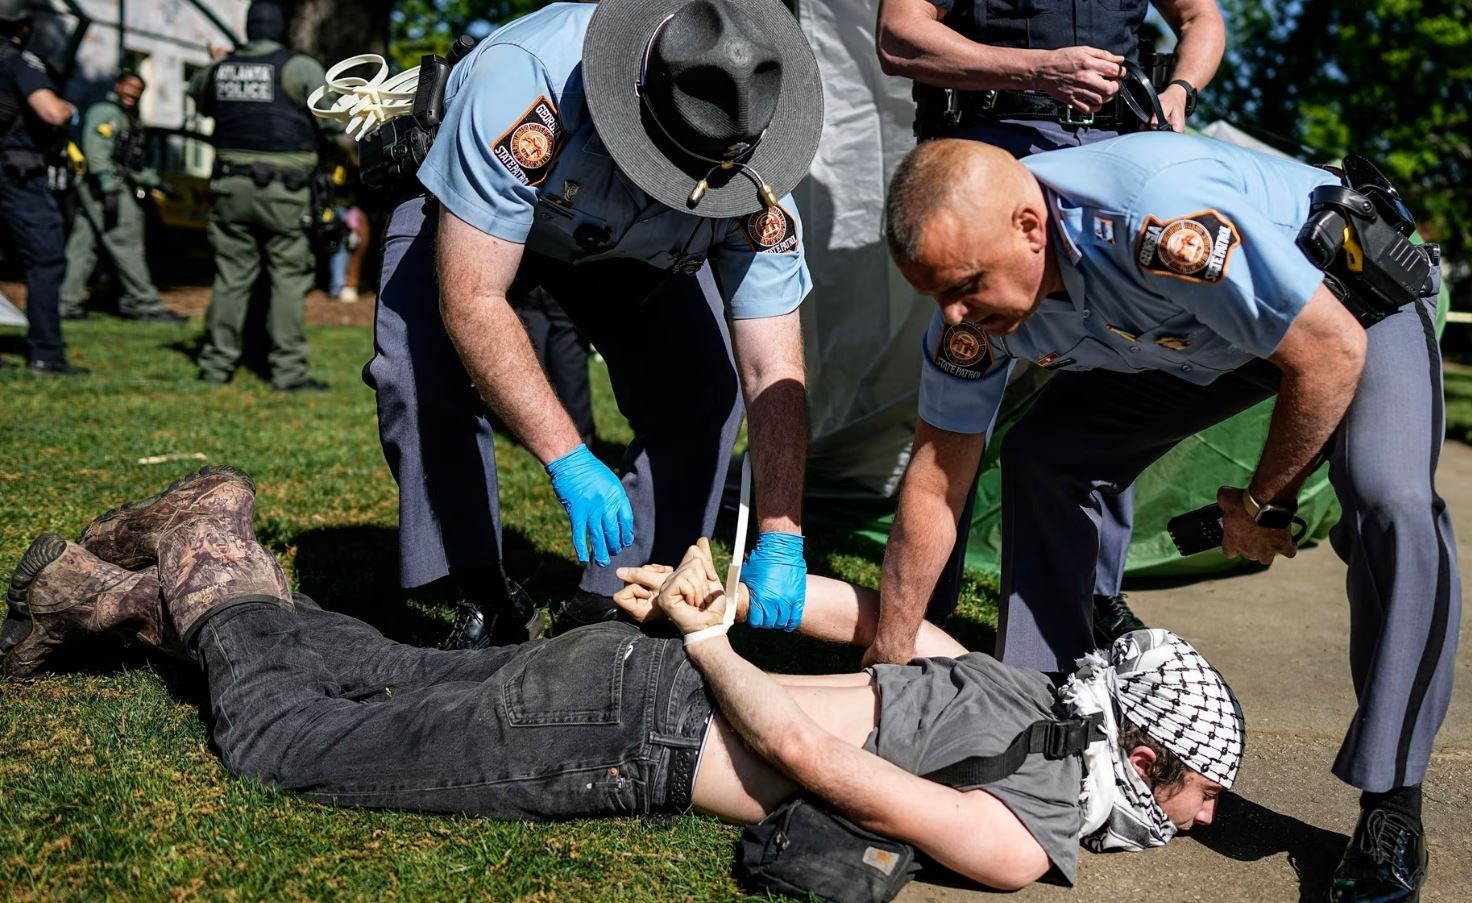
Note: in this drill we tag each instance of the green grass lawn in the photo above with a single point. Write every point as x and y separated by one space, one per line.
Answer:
108 787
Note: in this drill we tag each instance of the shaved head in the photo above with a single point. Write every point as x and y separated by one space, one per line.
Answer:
968 225
946 176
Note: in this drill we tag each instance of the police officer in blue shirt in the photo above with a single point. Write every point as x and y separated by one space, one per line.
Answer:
31 115
635 158
1033 77
1160 274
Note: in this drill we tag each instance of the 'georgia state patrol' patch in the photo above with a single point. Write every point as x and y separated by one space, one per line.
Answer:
771 230
964 352
528 148
1195 247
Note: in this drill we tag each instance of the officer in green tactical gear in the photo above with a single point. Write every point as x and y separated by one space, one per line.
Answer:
265 153
109 218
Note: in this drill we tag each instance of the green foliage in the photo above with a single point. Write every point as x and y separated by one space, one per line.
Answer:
418 27
1390 79
108 788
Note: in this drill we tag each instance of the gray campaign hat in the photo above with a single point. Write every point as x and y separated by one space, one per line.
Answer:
710 106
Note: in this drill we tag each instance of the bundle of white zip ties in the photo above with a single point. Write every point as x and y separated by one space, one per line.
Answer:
364 104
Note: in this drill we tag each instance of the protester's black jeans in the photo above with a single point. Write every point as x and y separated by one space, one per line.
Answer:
600 721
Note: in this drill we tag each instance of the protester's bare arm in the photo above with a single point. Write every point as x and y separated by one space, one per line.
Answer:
1321 356
768 352
942 466
971 833
475 272
835 612
1201 38
913 42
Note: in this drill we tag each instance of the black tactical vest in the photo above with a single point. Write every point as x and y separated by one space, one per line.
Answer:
1111 25
253 113
130 152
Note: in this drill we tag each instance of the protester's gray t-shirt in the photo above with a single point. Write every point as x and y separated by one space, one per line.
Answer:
934 712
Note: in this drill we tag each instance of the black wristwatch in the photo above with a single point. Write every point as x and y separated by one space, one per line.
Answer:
1269 515
1191 94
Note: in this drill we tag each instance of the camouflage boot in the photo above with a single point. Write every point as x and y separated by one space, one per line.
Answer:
209 564
61 595
129 536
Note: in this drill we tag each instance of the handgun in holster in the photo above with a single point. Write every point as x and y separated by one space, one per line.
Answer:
1358 233
390 155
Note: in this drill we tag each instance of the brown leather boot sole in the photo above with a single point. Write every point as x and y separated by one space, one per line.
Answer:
95 539
19 630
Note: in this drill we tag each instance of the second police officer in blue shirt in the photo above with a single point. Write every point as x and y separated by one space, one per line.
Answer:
610 153
1160 274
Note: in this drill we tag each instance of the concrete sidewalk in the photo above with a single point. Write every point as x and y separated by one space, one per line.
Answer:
1280 637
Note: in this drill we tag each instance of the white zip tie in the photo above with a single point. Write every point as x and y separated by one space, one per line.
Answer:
738 551
364 104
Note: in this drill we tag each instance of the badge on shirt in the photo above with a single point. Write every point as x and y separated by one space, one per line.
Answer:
964 352
770 230
528 148
1196 247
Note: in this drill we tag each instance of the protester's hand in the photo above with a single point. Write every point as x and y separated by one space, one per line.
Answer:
596 505
776 576
641 584
217 53
889 651
1242 537
1173 101
1085 77
692 596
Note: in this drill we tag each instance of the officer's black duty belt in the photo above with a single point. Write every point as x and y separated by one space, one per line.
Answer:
956 107
263 174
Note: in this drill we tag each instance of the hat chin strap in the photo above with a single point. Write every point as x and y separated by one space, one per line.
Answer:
731 161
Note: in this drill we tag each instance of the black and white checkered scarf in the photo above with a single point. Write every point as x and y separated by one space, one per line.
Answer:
1161 684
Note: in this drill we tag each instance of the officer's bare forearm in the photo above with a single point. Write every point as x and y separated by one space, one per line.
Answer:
913 42
1321 357
769 359
942 465
1201 38
475 271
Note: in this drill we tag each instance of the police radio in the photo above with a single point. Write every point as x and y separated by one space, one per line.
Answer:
1358 234
390 155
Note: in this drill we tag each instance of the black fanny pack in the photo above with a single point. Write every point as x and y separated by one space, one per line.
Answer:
805 849
1358 233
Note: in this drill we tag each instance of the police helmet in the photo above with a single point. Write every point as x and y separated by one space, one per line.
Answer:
14 11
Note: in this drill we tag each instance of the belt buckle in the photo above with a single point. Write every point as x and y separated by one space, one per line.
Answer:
1073 116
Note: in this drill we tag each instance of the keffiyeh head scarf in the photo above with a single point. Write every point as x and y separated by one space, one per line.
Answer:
1159 683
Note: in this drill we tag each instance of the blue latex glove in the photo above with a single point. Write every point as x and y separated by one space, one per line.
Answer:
596 505
776 575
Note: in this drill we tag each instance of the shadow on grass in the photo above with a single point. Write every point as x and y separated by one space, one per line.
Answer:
1247 831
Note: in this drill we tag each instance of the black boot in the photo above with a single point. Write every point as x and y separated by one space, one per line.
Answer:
489 613
1113 619
1385 861
583 608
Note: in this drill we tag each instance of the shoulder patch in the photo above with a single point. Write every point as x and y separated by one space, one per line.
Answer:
1196 247
771 230
104 129
964 352
529 147
33 61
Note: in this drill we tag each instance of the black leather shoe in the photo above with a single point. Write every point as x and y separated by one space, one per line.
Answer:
475 628
1385 861
584 608
1113 619
162 315
306 384
56 368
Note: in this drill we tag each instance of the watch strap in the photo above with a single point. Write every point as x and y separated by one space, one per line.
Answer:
1191 93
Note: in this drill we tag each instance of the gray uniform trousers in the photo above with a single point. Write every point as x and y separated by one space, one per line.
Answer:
123 246
684 409
1092 430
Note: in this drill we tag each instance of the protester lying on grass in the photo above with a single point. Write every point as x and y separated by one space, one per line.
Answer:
606 720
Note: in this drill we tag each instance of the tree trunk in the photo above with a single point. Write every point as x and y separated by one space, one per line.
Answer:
331 30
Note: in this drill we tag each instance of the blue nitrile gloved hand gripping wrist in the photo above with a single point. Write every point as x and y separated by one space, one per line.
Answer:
596 505
777 577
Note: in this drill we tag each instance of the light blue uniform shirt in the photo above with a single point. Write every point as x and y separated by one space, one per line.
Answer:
517 157
1178 254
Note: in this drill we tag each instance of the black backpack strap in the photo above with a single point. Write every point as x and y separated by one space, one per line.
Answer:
1054 738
